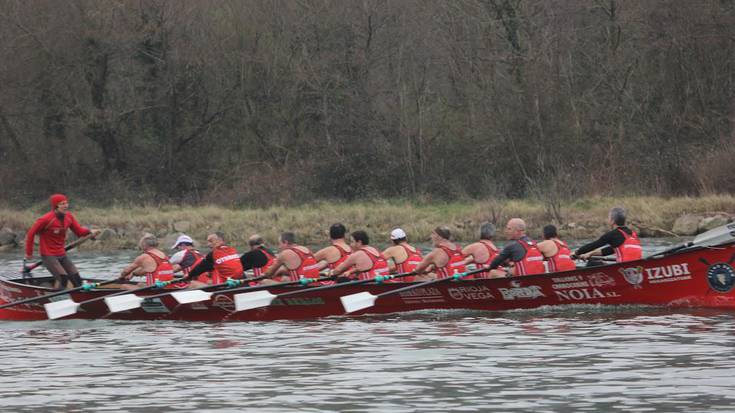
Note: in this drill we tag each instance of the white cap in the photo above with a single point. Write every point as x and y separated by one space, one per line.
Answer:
181 239
397 234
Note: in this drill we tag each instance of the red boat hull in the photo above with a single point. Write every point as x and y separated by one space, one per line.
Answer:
698 278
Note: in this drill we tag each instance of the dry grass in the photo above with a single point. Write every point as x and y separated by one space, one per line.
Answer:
310 222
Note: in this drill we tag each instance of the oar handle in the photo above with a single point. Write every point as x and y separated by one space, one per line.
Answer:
229 283
80 241
157 284
379 279
457 276
85 287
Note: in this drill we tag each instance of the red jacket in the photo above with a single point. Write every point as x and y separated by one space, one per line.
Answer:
52 233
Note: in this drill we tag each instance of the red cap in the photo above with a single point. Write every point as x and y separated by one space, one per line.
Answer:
56 199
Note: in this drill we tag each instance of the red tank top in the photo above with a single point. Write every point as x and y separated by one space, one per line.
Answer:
629 250
258 271
562 260
308 268
413 259
164 270
532 261
198 257
492 252
454 265
379 266
343 254
226 264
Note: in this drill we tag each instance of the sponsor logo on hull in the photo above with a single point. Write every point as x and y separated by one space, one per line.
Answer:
721 277
224 302
422 295
581 294
470 293
633 275
669 273
521 293
598 279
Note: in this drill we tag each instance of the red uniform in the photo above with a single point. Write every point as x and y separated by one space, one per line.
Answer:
164 270
562 260
454 265
258 271
492 252
532 261
629 250
308 268
226 264
52 233
379 266
413 259
343 254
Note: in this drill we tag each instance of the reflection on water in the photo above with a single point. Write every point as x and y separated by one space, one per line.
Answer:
579 358
575 358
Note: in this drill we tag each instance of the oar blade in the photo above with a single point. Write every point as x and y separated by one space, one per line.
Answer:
357 302
59 309
191 296
256 299
716 236
123 302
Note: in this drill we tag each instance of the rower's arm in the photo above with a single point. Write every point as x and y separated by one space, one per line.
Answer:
132 269
206 265
345 265
504 255
277 264
426 262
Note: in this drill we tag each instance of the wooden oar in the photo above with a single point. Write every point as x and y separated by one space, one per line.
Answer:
715 236
359 301
85 287
247 301
64 308
131 301
28 268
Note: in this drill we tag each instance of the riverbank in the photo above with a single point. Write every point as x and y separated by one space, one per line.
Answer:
584 218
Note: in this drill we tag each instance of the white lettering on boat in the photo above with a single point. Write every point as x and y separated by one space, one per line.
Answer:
530 292
422 295
470 293
600 279
581 294
669 273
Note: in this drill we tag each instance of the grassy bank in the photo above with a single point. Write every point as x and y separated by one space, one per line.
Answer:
584 218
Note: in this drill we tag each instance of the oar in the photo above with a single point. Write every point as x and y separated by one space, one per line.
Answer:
715 236
64 308
247 301
359 301
131 301
85 287
28 268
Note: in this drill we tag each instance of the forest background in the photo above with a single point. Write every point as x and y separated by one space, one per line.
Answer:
257 103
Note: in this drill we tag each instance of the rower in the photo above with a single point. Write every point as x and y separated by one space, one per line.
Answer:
402 257
366 262
621 240
445 259
221 263
555 251
482 252
259 258
186 257
152 263
51 229
292 263
335 254
521 252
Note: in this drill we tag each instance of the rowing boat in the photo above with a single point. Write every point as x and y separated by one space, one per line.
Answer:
700 277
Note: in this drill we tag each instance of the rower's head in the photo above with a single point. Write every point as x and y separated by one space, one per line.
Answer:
255 241
183 242
487 231
337 231
59 202
398 236
147 242
286 239
616 217
515 228
550 232
440 234
359 239
215 239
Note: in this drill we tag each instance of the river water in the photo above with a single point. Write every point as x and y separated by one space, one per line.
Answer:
564 359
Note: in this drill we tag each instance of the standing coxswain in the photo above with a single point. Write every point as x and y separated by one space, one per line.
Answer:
51 229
